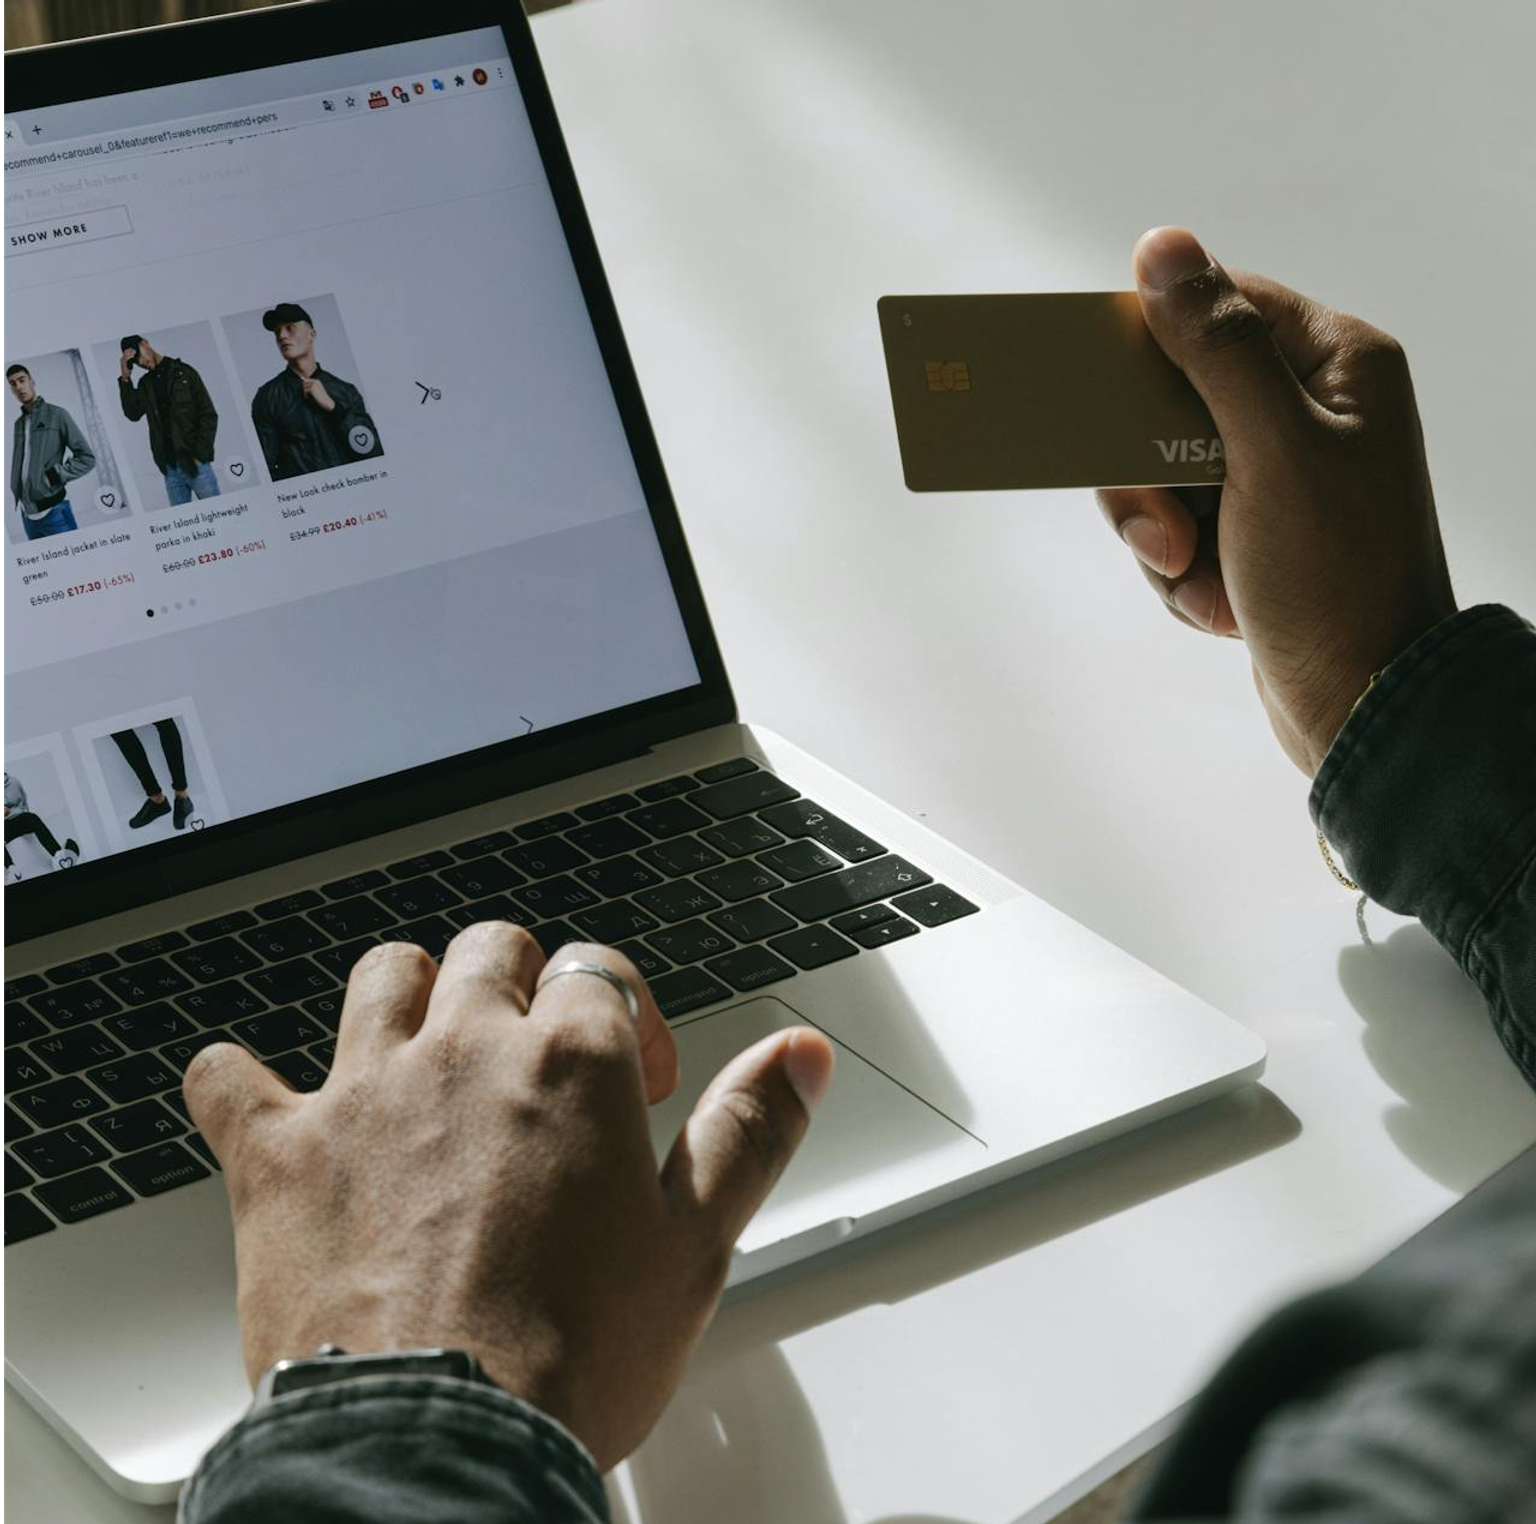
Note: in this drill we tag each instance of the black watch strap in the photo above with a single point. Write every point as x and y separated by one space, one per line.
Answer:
332 1364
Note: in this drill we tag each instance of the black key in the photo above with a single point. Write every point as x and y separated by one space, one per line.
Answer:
690 941
354 883
25 1219
804 817
177 1101
326 1009
197 1141
219 1003
718 772
137 1126
856 921
432 934
325 1051
555 896
680 856
935 905
686 990
740 796
149 1026
646 960
81 968
221 959
544 859
418 897
553 935
17 1176
799 860
546 825
748 968
24 984
812 946
619 875
601 809
613 922
479 846
59 1102
668 788
67 1007
739 837
289 904
21 1024
179 1054
423 862
894 930
76 1197
486 875
299 1069
753 920
221 926
131 1079
161 1168
740 881
277 1031
357 917
23 1070
497 907
286 983
152 947
669 817
69 1053
141 983
607 838
284 939
51 1154
678 900
339 960
15 1126
877 880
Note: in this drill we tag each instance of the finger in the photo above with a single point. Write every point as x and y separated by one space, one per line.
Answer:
585 997
744 1130
1154 523
228 1091
386 1000
489 968
1305 332
1190 585
1217 337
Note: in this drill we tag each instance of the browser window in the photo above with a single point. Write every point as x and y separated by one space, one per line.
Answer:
314 471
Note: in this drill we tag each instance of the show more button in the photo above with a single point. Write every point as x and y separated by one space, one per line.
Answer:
58 232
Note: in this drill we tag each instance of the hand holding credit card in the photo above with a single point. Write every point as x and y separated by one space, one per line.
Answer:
1046 390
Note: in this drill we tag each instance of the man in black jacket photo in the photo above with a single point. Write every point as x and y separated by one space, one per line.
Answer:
308 419
183 422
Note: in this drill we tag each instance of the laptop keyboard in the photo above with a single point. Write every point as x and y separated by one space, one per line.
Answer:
714 884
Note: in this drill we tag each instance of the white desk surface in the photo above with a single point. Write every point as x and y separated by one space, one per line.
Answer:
758 175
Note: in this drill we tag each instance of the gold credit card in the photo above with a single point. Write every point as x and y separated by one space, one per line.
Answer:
1046 390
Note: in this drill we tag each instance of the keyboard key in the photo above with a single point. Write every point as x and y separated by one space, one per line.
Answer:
669 817
25 1219
81 968
152 947
894 930
61 1101
141 983
15 1127
325 1051
418 897
648 962
67 1007
553 935
73 1198
739 881
277 1031
800 860
718 772
690 941
612 922
299 1069
739 837
555 896
935 905
220 1003
197 1141
68 1053
484 876
177 1101
677 901
354 883
17 1175
149 1026
21 1024
617 876
423 862
161 1168
432 934
680 856
748 968
284 939
877 880
741 796
753 920
856 921
544 859
288 983
181 1053
289 904
357 917
24 984
131 1079
23 1070
546 825
137 1126
686 990
668 788
601 809
326 1009
496 907
51 1154
221 959
221 926
805 818
813 946
479 846
607 838
338 961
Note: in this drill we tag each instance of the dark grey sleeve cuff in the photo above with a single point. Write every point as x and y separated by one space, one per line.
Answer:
396 1450
1429 796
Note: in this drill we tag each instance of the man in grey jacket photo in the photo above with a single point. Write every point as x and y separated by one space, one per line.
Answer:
48 451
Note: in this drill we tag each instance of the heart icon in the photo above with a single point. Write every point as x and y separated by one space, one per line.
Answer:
237 468
108 499
196 823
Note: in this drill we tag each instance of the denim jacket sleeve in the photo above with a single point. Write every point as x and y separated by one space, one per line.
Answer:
396 1450
1429 794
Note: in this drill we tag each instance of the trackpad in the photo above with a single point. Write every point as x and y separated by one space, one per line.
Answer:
871 1142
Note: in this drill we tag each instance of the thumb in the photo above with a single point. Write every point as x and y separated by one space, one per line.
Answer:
745 1129
1214 334
227 1090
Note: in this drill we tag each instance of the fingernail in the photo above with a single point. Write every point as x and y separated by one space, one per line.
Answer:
1148 539
1166 255
808 1066
1197 601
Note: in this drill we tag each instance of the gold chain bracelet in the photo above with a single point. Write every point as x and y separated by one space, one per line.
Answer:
1322 841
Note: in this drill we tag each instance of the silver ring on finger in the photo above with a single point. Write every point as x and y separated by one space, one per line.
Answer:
621 984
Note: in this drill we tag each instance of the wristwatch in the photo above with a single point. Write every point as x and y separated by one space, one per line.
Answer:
331 1363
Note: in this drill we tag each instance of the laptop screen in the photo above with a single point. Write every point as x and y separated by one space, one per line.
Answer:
315 473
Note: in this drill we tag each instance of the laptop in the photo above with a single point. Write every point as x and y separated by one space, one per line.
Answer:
346 600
